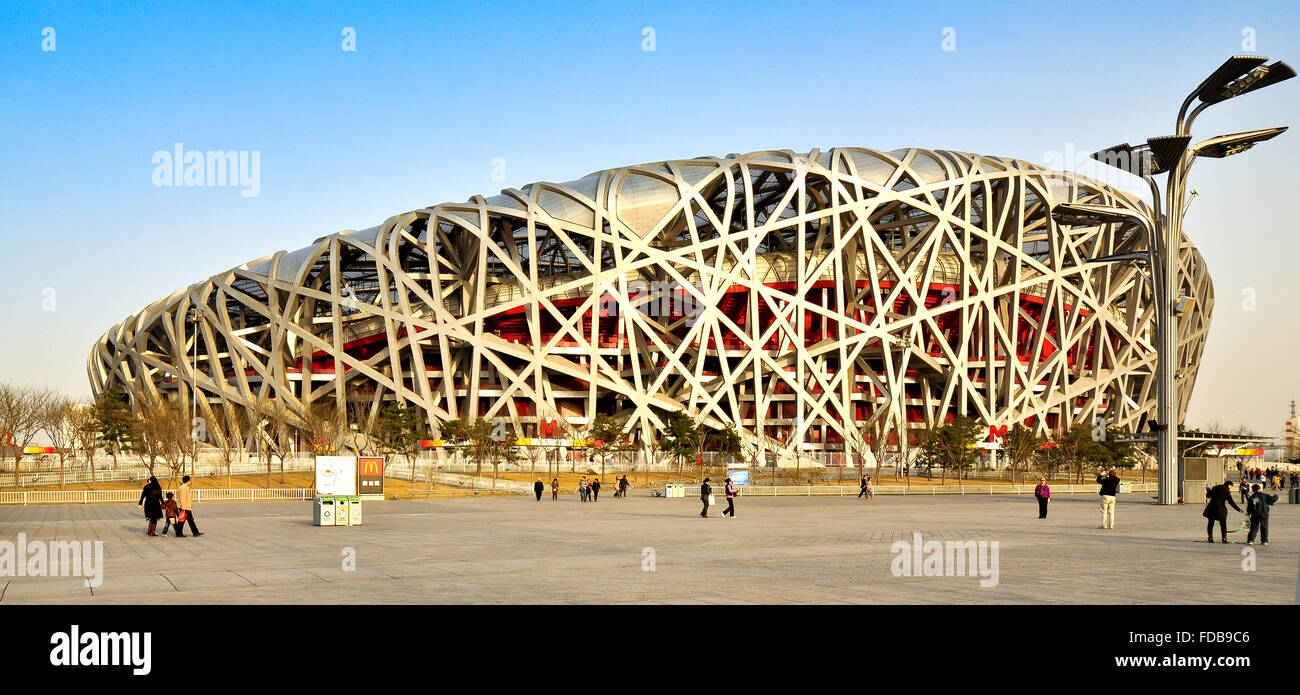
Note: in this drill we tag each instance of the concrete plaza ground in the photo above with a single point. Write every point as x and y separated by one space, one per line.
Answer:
782 550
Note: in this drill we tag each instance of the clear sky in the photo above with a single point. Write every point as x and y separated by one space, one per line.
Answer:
434 94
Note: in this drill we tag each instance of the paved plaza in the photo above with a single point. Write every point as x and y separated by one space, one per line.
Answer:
782 550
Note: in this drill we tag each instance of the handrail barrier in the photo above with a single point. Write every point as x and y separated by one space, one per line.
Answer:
133 496
925 491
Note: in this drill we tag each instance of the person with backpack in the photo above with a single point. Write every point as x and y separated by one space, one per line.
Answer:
1216 509
1258 506
706 491
1109 490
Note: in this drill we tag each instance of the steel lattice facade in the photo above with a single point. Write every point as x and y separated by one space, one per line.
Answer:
804 297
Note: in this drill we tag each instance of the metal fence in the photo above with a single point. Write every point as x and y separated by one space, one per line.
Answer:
930 490
133 496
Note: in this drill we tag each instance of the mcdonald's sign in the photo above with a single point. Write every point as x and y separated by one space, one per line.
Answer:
370 476
547 429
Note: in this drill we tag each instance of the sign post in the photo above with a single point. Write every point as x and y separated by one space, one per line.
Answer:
370 478
336 475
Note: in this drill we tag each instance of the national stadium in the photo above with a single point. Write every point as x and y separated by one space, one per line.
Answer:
808 299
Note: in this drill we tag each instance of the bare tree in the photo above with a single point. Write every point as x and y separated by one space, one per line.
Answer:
84 425
22 415
274 427
326 427
166 434
56 421
226 433
361 420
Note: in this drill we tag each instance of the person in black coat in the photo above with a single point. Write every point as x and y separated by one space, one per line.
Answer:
151 503
538 488
705 491
1216 509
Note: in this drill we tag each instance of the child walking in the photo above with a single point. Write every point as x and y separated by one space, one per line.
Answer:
169 511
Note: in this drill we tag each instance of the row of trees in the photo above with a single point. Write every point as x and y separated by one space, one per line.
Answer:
160 432
1075 450
71 428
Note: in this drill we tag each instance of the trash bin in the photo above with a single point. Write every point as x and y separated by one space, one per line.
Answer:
323 511
1295 495
354 511
342 511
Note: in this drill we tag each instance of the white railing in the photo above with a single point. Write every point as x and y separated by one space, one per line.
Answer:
928 490
133 496
131 473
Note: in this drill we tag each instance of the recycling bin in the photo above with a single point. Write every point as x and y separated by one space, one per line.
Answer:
354 511
342 511
323 511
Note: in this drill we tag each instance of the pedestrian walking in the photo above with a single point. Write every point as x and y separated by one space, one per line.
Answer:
862 492
151 503
705 493
169 511
539 487
583 489
595 490
1258 506
1216 509
1245 489
1109 490
622 487
555 489
731 501
185 500
1042 493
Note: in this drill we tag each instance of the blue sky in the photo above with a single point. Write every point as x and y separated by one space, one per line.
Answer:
435 92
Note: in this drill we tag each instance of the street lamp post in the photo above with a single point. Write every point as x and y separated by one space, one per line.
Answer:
193 317
1170 154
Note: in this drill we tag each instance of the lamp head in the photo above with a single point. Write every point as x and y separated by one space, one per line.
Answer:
1258 77
1234 143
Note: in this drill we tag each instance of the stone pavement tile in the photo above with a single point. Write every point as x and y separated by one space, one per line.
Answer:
142 585
197 581
263 577
34 589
